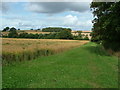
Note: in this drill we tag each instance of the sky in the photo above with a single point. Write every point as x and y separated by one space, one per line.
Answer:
34 15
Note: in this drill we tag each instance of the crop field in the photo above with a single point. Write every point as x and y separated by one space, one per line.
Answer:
28 31
27 49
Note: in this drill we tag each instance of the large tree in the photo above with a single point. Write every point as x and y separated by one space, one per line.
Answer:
6 29
12 29
54 29
13 33
65 34
106 28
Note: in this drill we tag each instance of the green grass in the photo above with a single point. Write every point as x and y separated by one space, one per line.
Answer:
88 66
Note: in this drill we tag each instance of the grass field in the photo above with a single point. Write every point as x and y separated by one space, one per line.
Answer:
28 49
87 66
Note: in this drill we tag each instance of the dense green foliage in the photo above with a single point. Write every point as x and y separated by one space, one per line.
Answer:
54 29
88 66
106 29
56 33
5 29
61 35
64 34
13 33
13 29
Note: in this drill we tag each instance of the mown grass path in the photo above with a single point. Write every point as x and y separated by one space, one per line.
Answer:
88 66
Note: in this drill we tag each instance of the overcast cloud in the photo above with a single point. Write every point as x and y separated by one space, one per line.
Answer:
57 7
75 15
4 7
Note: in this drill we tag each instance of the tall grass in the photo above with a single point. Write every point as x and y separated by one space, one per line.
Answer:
27 49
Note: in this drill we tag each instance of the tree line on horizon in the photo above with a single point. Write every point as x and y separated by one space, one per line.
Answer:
9 29
59 33
47 29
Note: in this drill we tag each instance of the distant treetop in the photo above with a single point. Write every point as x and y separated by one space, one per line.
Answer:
55 29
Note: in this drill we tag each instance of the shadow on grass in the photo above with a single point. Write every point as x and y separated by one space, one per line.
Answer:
98 49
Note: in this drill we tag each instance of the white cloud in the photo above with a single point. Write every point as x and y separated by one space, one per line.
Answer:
70 20
4 6
74 21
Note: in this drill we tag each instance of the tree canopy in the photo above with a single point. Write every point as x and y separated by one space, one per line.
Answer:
13 33
54 29
6 29
106 28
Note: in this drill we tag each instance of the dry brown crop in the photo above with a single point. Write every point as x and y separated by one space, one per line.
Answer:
27 49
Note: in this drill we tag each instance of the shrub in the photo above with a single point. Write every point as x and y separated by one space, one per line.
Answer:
13 33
